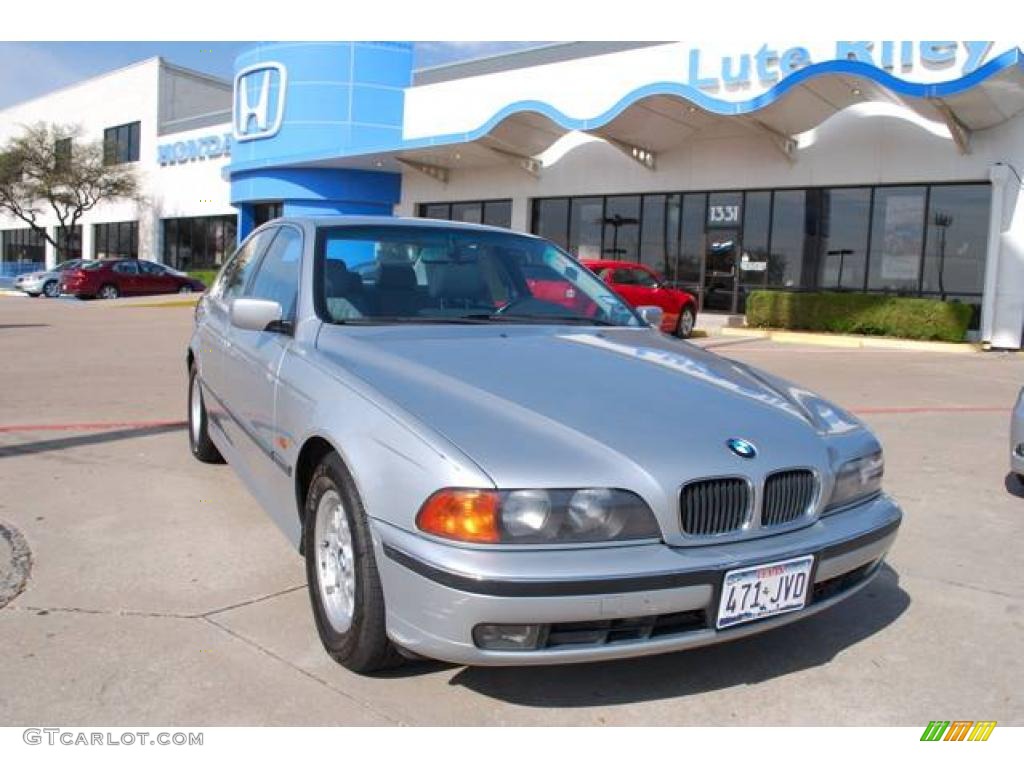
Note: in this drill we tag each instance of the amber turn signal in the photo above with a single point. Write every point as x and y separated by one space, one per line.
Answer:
461 514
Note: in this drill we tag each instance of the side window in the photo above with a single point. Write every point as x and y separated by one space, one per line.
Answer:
236 272
150 268
624 277
277 277
644 278
126 268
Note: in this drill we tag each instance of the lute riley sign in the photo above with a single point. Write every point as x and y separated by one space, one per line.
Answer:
903 58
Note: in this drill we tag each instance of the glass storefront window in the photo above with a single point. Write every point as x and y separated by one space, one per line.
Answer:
551 220
789 233
954 260
25 244
845 219
622 228
198 242
470 213
70 242
496 213
653 235
896 239
691 244
435 211
116 240
842 238
586 215
757 211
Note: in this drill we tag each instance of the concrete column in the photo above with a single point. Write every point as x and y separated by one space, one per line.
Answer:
87 247
50 258
521 214
1002 315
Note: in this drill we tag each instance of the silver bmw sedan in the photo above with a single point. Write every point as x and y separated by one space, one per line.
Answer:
485 456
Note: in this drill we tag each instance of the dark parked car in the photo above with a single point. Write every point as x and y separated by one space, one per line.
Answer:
111 278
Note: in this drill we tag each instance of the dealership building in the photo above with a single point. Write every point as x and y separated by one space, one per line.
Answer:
884 166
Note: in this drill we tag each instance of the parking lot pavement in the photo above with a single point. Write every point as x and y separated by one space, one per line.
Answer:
160 593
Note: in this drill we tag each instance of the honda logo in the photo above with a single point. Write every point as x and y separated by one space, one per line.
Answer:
259 101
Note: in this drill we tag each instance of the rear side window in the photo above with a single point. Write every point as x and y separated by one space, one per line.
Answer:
277 278
235 276
126 268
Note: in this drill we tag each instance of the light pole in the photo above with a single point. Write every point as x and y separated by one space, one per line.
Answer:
615 222
942 221
841 253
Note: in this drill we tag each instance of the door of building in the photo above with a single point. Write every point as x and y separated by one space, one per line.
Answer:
721 270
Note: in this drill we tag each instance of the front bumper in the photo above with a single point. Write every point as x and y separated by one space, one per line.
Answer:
437 593
28 286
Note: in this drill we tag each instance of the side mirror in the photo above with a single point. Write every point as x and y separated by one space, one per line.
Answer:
651 315
255 314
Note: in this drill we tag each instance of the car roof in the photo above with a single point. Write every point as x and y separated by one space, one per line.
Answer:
601 263
390 221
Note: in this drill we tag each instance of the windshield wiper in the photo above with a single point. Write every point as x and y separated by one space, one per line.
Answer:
415 320
540 319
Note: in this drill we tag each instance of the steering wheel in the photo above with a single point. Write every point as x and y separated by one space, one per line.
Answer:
517 301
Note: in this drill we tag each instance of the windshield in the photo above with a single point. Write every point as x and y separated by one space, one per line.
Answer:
382 274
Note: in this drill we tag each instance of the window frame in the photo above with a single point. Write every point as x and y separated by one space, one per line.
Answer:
251 282
482 204
122 143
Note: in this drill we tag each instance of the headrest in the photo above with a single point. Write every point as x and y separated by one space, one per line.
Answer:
341 282
458 281
396 277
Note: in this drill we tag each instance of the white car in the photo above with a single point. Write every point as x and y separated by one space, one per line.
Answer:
484 475
46 283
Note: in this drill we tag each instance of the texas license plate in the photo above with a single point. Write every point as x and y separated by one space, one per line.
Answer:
761 591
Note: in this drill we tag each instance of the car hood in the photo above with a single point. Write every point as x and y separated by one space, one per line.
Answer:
576 407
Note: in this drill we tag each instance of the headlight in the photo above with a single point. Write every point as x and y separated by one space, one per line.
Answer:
536 516
857 480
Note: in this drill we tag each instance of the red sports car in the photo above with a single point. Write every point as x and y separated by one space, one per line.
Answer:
110 278
641 286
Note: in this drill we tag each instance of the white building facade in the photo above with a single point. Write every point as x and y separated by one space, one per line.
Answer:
879 166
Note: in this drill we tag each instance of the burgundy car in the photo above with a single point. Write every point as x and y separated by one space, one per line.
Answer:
110 278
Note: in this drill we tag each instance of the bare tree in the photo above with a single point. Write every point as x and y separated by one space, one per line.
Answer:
49 168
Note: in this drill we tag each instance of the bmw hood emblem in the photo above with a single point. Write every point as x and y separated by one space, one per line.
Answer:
742 448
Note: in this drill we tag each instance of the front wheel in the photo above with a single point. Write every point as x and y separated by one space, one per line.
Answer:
686 323
198 438
51 289
344 586
185 290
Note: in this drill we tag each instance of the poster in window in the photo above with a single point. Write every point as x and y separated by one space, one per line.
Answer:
901 244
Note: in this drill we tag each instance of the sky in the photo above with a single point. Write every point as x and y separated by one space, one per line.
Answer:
33 69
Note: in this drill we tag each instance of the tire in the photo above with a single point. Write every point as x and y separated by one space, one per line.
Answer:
198 437
185 290
51 289
686 323
108 291
349 614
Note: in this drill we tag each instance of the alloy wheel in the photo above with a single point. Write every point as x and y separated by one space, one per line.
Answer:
335 561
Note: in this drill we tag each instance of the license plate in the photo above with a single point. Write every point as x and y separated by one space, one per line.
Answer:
761 591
